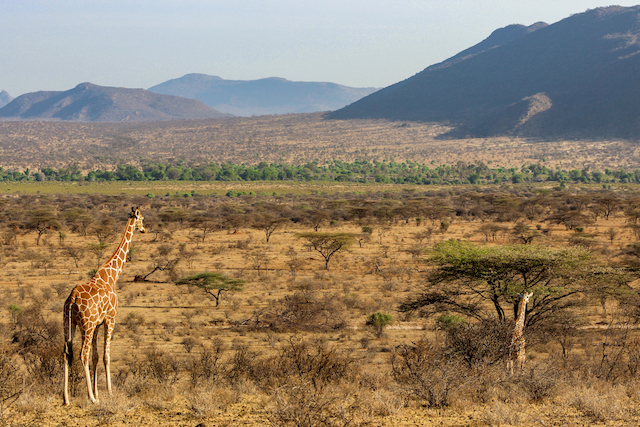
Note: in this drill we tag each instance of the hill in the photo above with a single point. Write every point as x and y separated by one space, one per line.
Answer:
91 103
263 96
576 78
5 98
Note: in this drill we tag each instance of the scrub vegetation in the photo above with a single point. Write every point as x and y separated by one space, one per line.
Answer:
377 307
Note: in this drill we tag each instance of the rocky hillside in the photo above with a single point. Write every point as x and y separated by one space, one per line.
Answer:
575 78
263 96
91 103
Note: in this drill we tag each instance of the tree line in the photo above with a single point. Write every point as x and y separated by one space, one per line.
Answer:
386 171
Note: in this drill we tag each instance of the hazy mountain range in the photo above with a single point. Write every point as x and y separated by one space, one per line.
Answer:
577 77
5 98
91 103
264 96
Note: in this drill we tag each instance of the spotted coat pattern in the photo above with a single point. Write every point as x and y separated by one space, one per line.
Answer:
517 353
93 304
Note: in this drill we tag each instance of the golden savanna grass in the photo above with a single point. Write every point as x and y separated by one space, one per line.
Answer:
177 359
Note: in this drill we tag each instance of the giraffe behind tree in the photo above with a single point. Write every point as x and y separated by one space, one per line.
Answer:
93 304
517 347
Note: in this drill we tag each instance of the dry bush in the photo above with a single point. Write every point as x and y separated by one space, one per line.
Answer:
540 382
106 411
297 403
425 373
210 401
314 361
499 413
315 385
610 355
39 342
601 402
307 284
379 394
304 311
11 378
481 344
154 365
207 366
132 322
189 343
242 364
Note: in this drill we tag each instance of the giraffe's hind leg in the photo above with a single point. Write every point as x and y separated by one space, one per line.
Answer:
109 324
94 362
87 339
67 354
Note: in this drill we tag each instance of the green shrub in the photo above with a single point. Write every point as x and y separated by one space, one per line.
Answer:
448 321
378 321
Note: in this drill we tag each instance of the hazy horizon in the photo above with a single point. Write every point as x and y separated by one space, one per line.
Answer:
57 45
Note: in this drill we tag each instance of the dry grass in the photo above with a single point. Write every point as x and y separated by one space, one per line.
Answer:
293 139
268 355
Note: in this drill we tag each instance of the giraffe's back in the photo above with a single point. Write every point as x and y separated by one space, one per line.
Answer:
92 304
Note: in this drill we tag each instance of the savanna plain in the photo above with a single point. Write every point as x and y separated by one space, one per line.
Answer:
332 303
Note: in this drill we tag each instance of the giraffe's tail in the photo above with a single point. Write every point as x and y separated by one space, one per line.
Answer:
68 351
68 344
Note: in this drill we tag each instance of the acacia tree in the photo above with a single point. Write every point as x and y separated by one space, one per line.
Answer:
213 284
328 244
468 278
268 223
204 222
104 229
609 203
78 220
42 219
163 261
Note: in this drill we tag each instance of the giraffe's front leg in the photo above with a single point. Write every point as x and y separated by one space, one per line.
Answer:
109 324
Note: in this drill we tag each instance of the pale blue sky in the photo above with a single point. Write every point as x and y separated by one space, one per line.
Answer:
56 44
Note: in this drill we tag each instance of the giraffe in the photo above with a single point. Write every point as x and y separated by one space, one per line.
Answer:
517 346
93 304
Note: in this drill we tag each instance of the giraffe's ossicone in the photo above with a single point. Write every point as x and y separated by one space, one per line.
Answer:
93 304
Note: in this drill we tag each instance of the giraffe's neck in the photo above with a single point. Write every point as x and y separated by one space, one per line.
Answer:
114 265
522 309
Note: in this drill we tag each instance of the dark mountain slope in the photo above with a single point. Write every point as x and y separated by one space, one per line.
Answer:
497 38
583 65
91 103
264 96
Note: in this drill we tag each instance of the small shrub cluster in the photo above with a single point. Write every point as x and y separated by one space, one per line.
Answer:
304 311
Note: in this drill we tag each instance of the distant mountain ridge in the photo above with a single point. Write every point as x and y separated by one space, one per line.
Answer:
497 38
576 78
5 98
92 103
264 96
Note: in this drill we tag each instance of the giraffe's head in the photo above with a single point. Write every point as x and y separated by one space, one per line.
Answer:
526 297
138 219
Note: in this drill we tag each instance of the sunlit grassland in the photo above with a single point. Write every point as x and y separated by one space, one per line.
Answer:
162 188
